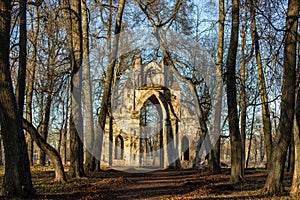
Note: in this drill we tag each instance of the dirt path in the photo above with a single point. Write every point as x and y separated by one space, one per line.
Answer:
169 184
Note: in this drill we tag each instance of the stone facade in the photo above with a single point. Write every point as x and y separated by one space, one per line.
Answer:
170 139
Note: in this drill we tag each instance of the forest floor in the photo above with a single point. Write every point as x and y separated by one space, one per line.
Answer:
167 184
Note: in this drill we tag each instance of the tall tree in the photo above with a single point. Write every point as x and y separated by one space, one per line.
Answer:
31 78
215 153
235 137
17 177
63 148
262 86
20 90
109 76
50 87
243 105
88 102
295 191
76 125
274 183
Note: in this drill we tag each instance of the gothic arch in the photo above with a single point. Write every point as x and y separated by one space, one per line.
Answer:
167 110
119 147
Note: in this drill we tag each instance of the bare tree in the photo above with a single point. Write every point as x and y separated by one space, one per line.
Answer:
263 91
243 105
76 124
215 153
295 191
109 76
17 177
274 183
31 78
88 102
235 137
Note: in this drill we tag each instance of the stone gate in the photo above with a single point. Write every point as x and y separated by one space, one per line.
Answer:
153 121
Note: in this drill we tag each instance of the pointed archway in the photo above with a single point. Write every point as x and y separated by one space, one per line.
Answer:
119 147
151 134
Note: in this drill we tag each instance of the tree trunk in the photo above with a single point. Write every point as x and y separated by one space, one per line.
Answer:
30 83
63 151
48 102
109 77
1 149
48 149
291 156
274 183
40 126
17 177
215 153
76 122
20 89
295 191
235 137
251 136
243 105
88 102
262 85
29 95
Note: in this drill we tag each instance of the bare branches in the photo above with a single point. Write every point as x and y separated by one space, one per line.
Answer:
160 22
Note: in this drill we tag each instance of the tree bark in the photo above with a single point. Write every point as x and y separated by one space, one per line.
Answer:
109 77
48 149
274 183
1 150
215 153
20 90
295 191
74 31
235 137
243 105
17 177
30 85
267 128
251 136
90 163
291 155
63 150
40 126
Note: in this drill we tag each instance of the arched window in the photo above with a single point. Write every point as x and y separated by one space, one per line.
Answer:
185 150
150 131
119 147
